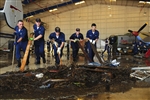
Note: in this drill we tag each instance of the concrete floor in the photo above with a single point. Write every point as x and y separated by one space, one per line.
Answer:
133 94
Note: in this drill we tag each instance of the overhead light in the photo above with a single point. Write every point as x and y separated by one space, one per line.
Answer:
77 3
30 16
113 0
53 10
148 2
141 1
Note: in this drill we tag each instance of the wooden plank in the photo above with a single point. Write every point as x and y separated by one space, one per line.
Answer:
55 80
26 54
84 52
100 59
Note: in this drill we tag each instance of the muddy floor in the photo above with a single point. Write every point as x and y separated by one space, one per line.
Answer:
70 82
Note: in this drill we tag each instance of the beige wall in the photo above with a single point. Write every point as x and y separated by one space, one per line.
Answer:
122 19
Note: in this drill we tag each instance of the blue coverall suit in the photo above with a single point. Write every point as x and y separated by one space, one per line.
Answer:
91 36
23 33
59 40
74 45
39 44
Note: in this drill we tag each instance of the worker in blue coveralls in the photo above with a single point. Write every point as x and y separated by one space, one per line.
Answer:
21 41
39 32
106 46
58 40
92 37
74 38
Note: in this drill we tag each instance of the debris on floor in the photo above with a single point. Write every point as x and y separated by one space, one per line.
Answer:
142 75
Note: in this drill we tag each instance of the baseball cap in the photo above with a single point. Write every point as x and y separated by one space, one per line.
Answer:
57 29
38 20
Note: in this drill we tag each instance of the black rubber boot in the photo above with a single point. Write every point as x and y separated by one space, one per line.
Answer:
44 60
19 63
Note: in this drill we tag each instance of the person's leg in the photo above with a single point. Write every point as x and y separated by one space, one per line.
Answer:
42 52
37 54
90 51
18 55
73 51
57 61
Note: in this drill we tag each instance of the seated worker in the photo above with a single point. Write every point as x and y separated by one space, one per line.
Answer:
58 40
106 46
77 36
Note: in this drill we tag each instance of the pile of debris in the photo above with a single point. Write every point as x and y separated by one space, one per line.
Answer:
69 80
141 73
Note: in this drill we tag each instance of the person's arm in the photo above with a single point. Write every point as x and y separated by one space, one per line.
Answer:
87 36
63 41
38 37
97 37
24 32
71 38
41 34
81 39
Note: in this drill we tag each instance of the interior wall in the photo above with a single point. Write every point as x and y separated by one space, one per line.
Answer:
122 19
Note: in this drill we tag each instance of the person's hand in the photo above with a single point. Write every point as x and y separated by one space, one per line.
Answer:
15 43
90 41
93 42
32 39
75 40
59 50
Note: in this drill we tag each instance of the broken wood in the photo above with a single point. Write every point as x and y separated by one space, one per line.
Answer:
26 54
89 69
84 52
55 80
100 59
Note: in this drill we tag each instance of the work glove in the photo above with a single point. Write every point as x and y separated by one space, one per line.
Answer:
32 39
75 40
138 48
90 41
15 43
93 42
58 50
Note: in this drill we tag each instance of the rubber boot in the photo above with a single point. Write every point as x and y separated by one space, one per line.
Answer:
19 63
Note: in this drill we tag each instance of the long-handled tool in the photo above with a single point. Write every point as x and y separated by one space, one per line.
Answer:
13 57
26 54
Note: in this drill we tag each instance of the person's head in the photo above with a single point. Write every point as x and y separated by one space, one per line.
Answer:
93 26
38 22
77 31
57 30
20 24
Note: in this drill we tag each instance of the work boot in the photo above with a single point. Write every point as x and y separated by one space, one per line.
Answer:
37 62
19 63
44 60
27 63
